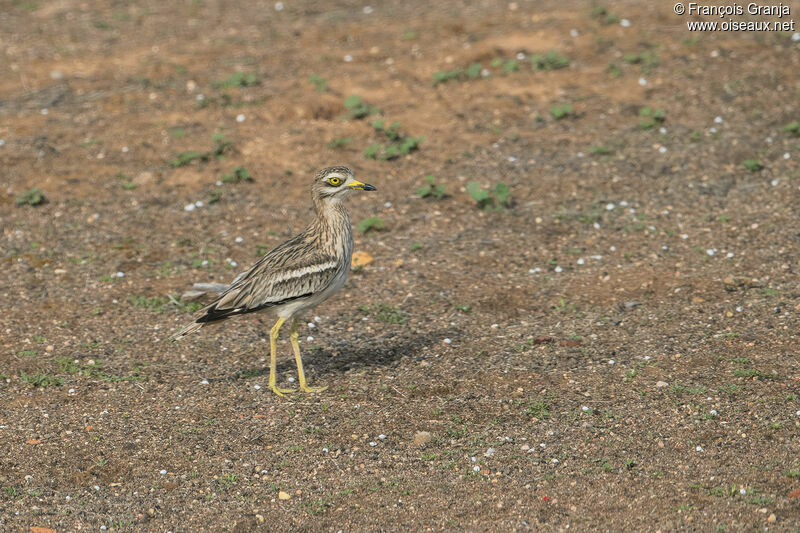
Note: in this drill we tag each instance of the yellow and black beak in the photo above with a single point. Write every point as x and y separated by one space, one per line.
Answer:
361 186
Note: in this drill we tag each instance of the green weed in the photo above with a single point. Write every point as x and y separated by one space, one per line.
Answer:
238 79
753 165
431 188
358 108
32 197
552 60
371 224
495 198
561 111
319 83
238 175
649 117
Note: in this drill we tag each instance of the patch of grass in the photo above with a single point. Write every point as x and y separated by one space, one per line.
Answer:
649 117
230 479
695 136
319 83
27 353
31 197
388 314
220 147
238 79
795 473
125 181
793 128
600 150
538 408
358 108
339 143
753 165
613 70
495 198
41 380
605 16
431 188
416 245
461 74
752 373
400 144
371 224
647 60
238 175
552 60
561 111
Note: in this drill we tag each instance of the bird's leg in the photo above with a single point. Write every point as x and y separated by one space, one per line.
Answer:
301 376
273 363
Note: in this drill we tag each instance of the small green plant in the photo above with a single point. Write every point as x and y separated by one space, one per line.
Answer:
415 246
431 188
125 181
399 144
561 111
238 79
793 128
154 304
32 197
600 150
238 175
339 143
649 117
41 380
371 224
647 60
538 408
470 73
495 198
358 108
753 165
220 147
385 313
319 83
552 60
613 70
185 158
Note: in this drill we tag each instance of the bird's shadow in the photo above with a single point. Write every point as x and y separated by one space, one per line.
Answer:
361 351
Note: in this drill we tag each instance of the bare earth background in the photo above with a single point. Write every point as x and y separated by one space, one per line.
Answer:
623 337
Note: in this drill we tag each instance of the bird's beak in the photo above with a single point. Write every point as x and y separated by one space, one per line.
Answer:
361 186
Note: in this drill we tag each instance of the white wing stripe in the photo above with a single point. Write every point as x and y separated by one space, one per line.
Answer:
299 273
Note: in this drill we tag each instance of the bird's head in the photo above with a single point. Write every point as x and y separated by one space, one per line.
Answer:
333 183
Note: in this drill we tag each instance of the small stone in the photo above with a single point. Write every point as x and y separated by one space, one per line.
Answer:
421 438
772 518
284 495
662 384
490 452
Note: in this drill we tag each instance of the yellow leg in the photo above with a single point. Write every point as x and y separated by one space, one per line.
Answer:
273 363
301 376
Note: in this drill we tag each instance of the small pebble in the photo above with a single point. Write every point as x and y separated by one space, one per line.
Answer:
447 341
204 382
796 36
713 412
609 207
382 436
367 10
610 361
662 149
124 149
348 58
490 452
309 339
2 142
240 117
163 472
718 120
189 207
239 239
312 325
476 468
558 269
625 23
387 205
278 6
71 391
581 261
573 33
422 437
317 319
199 203
257 387
373 443
520 56
642 82
45 111
662 384
699 448
585 409
120 274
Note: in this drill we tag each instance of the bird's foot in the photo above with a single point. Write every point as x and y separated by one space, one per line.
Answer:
306 388
281 392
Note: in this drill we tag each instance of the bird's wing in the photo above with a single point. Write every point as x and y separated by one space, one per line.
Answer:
290 271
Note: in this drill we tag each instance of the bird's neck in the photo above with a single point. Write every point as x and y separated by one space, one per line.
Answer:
332 218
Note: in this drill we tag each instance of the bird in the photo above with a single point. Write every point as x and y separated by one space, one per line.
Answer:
297 275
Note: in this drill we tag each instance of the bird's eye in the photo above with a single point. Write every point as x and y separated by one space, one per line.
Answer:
335 181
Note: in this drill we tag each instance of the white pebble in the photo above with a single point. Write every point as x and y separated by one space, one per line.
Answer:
699 448
742 491
45 111
542 445
718 120
124 149
534 270
373 443
573 33
163 472
512 159
787 155
485 73
72 391
585 409
382 436
730 254
710 251
387 204
684 236
796 36
367 10
96 487
713 412
476 468
662 149
581 261
238 239
647 357
103 528
558 269
324 450
580 154
348 58
490 452
642 82
199 203
200 97
317 319
204 382
625 23
309 338
312 325
240 117
520 56
596 225
613 248
662 130
473 459
610 207
257 387
278 6
2 142
120 274
290 380
189 207
447 341
768 140
775 182
739 309
218 183
611 361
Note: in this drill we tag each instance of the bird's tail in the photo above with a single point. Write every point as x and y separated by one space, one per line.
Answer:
185 330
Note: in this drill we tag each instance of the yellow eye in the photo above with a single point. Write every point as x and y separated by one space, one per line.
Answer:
334 181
